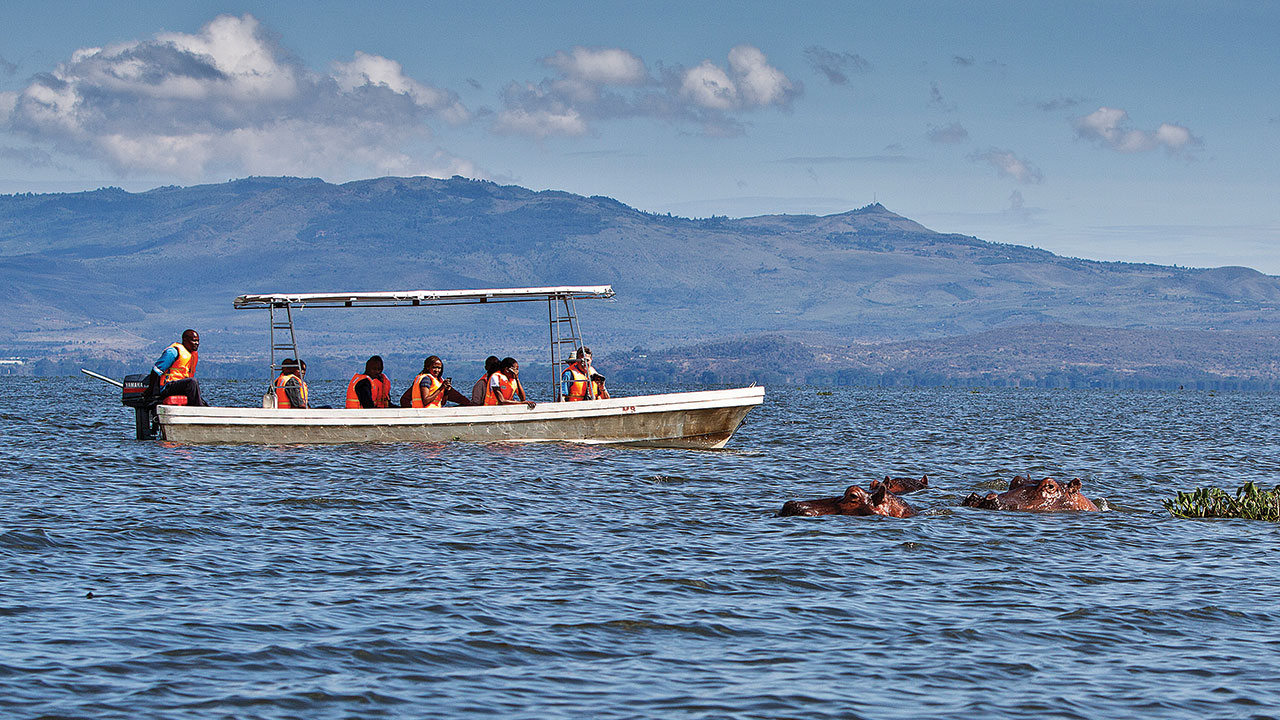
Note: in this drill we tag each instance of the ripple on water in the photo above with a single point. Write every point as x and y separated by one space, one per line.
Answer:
562 582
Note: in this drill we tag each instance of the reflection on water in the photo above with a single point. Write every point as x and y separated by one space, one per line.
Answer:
564 581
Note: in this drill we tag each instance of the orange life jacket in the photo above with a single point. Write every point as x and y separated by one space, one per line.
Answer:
282 397
489 397
506 388
379 386
418 392
580 387
182 368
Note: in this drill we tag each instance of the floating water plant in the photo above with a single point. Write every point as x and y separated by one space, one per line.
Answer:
1249 503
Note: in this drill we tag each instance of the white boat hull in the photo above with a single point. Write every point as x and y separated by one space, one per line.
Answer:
690 420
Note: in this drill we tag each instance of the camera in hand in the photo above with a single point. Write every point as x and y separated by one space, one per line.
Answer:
597 377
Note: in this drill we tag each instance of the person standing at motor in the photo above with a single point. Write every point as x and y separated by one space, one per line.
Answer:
174 373
370 389
505 387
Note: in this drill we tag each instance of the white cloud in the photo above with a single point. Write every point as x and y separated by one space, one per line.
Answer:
228 99
754 83
709 86
1110 128
375 71
174 155
540 123
600 66
236 47
1007 164
599 84
588 74
761 83
1174 137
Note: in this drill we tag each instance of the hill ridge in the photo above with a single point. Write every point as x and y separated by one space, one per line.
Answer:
109 271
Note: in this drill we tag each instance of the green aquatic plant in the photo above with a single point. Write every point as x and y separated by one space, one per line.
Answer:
1249 503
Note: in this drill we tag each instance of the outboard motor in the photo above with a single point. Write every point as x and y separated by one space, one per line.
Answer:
134 395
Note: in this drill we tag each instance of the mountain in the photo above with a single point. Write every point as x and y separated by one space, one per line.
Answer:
1046 355
118 275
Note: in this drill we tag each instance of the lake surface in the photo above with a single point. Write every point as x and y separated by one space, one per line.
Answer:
554 581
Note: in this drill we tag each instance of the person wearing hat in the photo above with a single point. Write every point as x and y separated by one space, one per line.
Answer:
291 389
580 381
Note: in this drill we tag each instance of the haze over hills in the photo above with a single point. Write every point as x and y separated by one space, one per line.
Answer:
111 274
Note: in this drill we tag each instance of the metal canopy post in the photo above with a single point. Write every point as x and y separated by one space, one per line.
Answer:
279 326
562 316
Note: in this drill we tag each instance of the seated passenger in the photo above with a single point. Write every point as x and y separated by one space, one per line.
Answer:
370 389
428 390
481 388
291 390
174 373
504 385
580 381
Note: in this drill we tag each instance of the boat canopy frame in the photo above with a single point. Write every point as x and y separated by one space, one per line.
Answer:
562 316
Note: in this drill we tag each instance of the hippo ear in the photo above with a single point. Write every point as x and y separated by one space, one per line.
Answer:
878 492
876 483
924 481
1073 487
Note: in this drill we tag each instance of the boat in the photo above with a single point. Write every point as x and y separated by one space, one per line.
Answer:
701 419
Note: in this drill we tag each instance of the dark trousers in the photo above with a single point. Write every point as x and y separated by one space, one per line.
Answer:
189 387
452 396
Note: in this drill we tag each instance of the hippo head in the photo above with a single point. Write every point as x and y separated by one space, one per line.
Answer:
879 501
1048 495
1051 496
855 501
902 486
810 508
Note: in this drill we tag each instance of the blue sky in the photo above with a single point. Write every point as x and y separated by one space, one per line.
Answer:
1143 131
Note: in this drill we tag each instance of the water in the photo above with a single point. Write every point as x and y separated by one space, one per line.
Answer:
556 581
